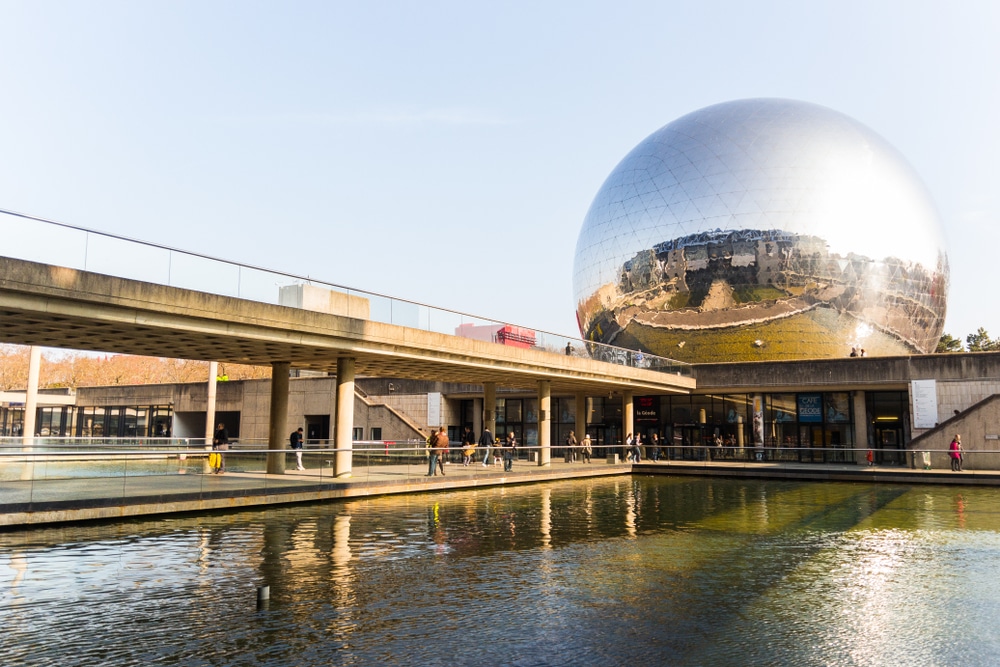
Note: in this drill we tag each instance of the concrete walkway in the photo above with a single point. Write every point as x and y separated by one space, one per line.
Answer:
70 499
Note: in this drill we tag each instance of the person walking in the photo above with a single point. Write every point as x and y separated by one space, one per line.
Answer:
486 442
295 442
955 451
439 450
220 443
569 454
509 449
587 450
655 451
628 448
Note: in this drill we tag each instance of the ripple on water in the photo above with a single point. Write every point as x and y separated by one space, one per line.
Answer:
595 572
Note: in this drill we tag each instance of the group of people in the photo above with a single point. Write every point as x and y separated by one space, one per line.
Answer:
494 450
584 448
634 445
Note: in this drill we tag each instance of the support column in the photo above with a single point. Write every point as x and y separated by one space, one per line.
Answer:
490 407
861 441
343 433
213 384
31 395
627 414
544 423
278 419
477 418
581 416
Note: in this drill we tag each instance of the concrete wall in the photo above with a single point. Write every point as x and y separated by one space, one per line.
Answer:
979 426
876 373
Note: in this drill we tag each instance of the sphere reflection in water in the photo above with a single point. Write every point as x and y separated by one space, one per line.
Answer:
599 572
762 229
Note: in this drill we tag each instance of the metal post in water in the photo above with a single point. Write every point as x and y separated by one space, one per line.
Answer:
263 596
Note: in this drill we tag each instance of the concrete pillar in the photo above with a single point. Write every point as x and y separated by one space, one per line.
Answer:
31 396
861 443
343 433
213 384
544 423
278 420
490 406
477 418
627 414
581 416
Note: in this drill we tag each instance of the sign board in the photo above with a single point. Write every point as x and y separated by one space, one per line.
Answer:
925 406
810 408
647 410
434 409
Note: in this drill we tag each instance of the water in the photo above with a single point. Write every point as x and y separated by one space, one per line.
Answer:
624 571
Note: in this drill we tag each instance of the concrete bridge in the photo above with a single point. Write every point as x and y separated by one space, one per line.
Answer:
53 306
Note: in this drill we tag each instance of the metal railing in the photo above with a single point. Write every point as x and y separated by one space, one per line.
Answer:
36 239
85 475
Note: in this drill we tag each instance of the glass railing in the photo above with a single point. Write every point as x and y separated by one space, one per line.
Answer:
35 239
79 470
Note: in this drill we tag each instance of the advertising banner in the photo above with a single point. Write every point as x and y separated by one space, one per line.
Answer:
810 408
647 410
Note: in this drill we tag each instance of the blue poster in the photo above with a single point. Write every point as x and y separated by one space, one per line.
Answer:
810 407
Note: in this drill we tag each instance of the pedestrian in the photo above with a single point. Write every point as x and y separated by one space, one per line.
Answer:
510 448
569 454
439 449
486 442
854 352
468 446
871 457
587 449
637 448
220 443
295 441
628 448
955 451
655 451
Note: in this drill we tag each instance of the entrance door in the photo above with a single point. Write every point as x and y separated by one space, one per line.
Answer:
887 439
317 428
811 438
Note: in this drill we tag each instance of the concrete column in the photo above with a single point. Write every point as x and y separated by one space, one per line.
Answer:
213 384
31 396
861 442
581 416
343 433
490 406
544 423
627 415
278 420
477 418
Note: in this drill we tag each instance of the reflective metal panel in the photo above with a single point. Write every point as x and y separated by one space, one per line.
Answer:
762 229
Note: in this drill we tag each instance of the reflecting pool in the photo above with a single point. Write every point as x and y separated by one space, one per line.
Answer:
622 571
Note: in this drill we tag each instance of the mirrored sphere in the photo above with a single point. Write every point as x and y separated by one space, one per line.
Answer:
762 229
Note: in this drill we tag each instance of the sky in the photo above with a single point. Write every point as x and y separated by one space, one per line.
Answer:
447 152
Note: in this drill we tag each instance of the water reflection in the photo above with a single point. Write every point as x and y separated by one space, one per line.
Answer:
610 571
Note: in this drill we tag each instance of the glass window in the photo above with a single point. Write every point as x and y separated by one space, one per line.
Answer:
512 410
837 407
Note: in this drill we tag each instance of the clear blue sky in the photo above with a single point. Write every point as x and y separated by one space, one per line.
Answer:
447 152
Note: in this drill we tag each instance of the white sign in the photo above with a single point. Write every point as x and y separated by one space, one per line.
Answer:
925 406
434 409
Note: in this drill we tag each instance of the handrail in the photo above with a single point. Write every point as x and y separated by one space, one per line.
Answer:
406 310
